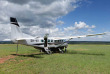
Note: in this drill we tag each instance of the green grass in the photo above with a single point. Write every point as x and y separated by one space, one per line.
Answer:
80 59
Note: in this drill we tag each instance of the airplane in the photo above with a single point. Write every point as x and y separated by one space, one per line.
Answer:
45 44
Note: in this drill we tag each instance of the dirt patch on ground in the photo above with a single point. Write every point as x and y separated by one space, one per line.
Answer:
2 60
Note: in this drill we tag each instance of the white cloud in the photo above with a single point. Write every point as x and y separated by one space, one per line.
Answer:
93 26
69 28
79 25
36 12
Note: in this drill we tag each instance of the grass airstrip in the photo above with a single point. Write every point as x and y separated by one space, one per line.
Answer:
79 59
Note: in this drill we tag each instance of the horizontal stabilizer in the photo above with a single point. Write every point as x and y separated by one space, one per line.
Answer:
19 39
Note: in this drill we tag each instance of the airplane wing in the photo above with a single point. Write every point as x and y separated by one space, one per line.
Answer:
87 35
82 36
20 39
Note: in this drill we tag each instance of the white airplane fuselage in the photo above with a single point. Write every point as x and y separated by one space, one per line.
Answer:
40 42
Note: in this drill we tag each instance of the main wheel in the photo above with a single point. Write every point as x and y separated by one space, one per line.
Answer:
49 52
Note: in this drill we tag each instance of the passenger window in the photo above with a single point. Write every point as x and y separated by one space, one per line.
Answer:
48 40
51 40
42 40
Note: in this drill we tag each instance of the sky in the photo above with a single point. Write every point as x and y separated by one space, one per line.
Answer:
59 18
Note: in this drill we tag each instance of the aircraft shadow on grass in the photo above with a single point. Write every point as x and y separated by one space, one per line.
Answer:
38 55
85 53
29 55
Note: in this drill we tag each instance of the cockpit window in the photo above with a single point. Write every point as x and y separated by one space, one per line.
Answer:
37 40
32 40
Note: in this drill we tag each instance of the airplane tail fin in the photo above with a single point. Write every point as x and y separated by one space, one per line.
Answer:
15 29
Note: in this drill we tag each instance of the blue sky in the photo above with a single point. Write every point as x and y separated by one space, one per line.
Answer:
94 12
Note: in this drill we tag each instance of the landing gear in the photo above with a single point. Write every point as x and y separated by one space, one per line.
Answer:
65 49
47 50
55 50
61 51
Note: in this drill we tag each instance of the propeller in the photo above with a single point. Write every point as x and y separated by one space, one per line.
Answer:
46 40
46 44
